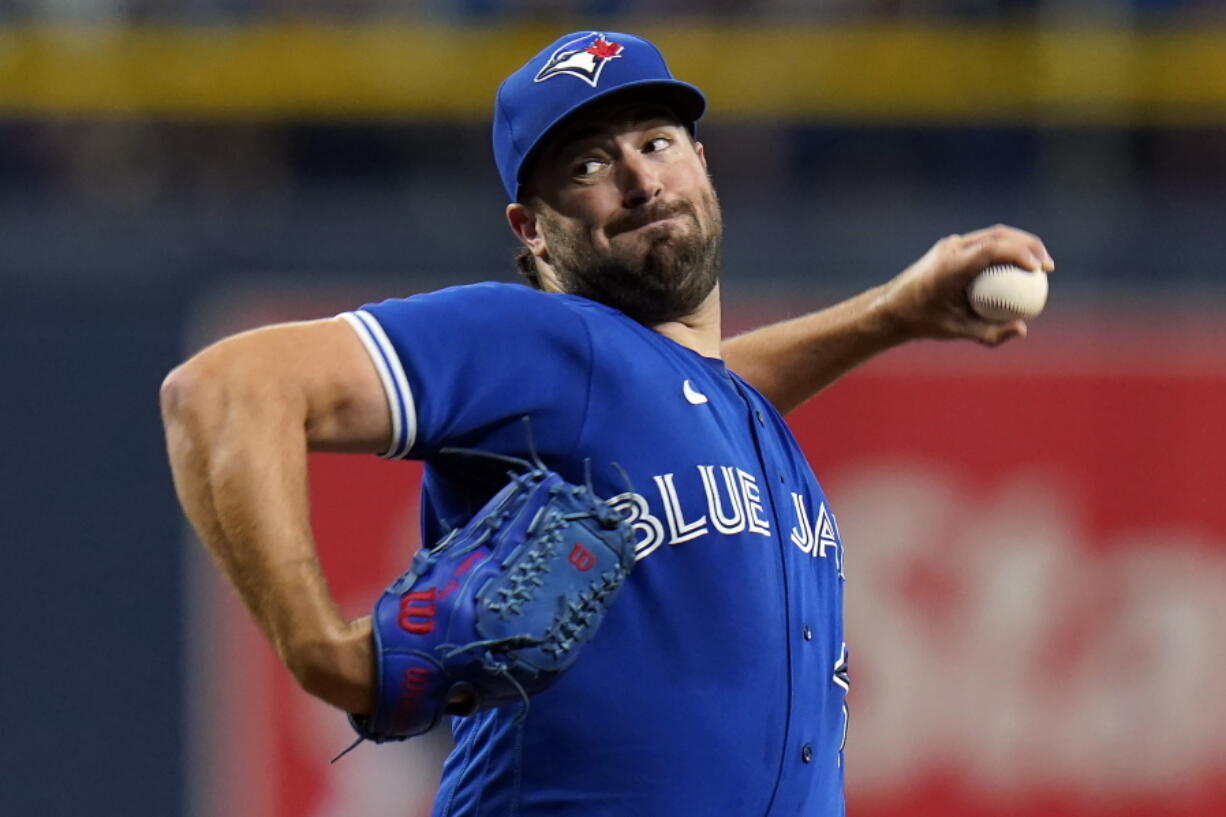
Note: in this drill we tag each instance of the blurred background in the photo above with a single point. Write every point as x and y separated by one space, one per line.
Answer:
1036 541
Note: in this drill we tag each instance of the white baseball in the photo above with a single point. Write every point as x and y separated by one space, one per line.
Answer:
1004 292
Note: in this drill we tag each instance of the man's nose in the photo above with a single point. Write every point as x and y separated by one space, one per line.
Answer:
639 180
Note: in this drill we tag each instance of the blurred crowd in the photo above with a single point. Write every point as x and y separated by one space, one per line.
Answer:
134 162
1134 179
214 10
141 165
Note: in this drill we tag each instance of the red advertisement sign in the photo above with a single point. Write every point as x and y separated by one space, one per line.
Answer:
1036 591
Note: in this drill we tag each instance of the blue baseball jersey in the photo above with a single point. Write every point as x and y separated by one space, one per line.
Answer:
717 683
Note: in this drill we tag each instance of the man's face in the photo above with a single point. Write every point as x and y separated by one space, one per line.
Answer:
626 213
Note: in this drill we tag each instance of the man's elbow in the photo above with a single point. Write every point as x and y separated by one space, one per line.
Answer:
193 392
173 394
181 391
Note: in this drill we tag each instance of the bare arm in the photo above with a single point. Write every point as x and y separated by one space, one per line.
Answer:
791 361
240 417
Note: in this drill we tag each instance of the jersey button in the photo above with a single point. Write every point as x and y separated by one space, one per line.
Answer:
807 632
806 753
761 420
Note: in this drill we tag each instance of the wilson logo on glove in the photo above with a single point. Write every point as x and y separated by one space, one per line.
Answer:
417 612
416 682
454 584
494 612
582 558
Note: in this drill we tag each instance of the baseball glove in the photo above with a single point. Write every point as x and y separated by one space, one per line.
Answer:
498 609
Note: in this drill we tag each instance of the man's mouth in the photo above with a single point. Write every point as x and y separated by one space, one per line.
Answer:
639 221
654 223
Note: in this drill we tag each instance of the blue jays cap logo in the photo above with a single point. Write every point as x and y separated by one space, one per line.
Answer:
584 58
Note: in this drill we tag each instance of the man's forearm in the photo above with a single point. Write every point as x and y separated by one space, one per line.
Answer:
789 362
793 360
238 448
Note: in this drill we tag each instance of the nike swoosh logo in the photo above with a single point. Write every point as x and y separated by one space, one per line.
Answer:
694 396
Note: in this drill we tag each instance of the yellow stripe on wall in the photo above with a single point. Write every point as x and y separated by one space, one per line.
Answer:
869 73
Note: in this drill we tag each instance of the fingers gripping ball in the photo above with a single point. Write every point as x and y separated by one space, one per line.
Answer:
1004 292
499 608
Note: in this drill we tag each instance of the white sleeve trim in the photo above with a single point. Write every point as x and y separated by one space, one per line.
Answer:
395 384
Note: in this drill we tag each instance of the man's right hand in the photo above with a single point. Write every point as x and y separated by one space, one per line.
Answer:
928 299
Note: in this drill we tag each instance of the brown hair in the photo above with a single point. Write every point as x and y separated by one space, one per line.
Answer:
525 265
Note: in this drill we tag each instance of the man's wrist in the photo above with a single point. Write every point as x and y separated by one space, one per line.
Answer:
882 320
337 666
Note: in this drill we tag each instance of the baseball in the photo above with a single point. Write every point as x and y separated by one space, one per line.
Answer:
1004 292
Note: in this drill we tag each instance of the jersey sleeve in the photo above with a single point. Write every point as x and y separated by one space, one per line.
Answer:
462 366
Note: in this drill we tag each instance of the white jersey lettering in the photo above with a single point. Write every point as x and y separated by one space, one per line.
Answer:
802 534
648 531
825 535
734 508
680 530
723 522
753 503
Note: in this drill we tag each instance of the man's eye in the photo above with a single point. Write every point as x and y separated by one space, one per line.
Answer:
658 143
588 167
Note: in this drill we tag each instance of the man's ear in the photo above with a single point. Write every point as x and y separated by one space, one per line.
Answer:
524 224
702 154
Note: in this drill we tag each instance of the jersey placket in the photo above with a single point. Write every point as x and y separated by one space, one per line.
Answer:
797 754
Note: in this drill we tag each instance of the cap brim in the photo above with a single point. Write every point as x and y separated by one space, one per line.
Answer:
683 99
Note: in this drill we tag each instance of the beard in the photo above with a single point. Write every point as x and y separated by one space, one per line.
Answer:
664 282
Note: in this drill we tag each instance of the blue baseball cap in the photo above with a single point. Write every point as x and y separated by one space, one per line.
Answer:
571 73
